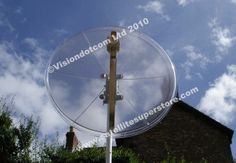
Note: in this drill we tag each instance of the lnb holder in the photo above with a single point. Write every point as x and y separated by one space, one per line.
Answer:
106 76
104 96
114 44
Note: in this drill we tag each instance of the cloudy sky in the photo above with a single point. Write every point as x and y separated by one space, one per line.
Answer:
199 36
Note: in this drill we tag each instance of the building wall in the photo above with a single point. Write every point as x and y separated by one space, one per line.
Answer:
182 134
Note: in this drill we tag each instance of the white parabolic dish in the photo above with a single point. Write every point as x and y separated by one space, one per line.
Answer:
74 84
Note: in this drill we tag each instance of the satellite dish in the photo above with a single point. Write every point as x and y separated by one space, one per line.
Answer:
77 72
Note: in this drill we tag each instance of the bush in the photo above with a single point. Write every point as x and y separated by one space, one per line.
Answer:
90 155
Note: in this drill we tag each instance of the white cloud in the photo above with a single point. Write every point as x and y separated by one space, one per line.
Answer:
193 57
233 1
31 42
18 10
4 21
221 36
219 100
184 2
121 22
24 79
60 32
154 7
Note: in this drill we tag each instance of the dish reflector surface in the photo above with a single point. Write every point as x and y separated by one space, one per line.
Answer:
74 83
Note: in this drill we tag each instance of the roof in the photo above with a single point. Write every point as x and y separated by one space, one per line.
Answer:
217 124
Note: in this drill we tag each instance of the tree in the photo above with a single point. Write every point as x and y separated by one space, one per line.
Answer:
15 141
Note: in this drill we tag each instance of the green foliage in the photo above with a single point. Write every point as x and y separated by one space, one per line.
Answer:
15 141
91 155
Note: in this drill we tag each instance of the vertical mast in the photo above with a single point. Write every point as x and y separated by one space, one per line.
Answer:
113 47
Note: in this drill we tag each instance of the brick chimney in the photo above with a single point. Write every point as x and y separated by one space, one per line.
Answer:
71 140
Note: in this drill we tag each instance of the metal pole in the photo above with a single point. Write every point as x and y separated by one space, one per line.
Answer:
112 92
109 148
113 48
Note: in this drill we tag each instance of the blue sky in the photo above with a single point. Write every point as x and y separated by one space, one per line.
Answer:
199 36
